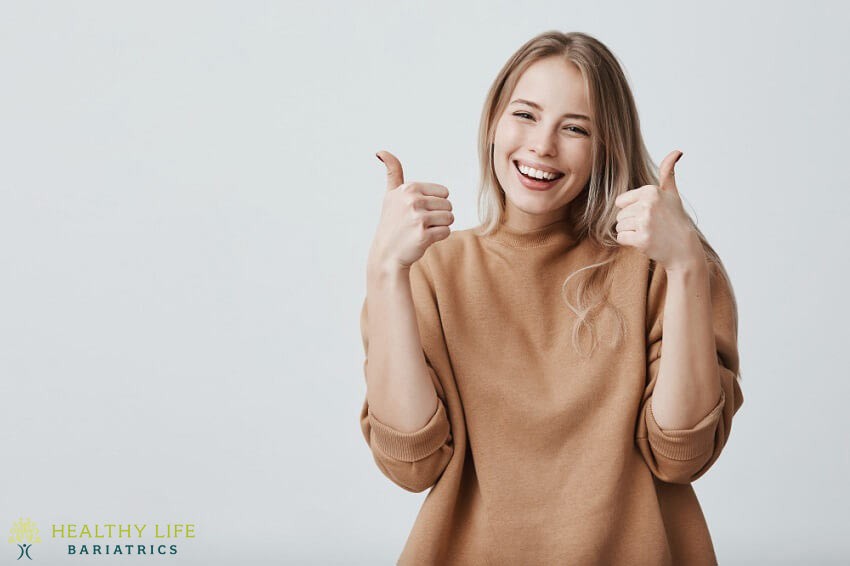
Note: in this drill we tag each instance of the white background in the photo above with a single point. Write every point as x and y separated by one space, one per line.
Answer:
188 192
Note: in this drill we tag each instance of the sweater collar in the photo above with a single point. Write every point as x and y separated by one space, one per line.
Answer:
556 233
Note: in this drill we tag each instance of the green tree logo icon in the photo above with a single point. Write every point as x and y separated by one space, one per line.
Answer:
24 533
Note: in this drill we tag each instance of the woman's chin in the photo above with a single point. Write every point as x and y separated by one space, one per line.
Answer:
532 201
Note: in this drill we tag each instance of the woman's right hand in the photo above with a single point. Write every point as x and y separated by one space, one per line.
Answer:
414 216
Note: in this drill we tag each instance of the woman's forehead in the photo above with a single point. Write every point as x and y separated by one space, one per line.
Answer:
553 84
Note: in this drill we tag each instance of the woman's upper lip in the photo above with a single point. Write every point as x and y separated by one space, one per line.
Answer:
539 166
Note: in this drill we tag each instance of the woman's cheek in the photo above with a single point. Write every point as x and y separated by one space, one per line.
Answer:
506 131
580 155
513 134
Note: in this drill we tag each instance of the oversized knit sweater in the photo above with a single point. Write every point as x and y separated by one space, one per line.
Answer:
535 455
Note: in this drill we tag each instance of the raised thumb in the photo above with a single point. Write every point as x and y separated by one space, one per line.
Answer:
395 175
666 176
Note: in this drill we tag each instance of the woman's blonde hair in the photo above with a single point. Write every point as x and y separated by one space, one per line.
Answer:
620 162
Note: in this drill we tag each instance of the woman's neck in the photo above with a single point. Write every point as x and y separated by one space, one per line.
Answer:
518 220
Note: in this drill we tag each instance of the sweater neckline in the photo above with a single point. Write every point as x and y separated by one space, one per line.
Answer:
558 232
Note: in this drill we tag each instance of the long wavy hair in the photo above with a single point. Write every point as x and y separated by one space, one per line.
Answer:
620 162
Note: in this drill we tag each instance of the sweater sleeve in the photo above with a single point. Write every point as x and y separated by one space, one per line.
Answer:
413 460
683 455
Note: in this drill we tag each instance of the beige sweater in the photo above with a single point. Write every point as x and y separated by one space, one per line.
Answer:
535 456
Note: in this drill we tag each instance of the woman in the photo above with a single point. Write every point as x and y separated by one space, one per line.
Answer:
516 369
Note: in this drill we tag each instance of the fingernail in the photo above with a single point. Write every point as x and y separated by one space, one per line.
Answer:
379 157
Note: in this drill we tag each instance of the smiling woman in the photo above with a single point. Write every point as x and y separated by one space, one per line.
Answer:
540 450
562 103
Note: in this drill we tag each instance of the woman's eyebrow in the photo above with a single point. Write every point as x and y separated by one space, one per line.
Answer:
538 107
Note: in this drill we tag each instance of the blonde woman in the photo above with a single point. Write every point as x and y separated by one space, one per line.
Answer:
559 375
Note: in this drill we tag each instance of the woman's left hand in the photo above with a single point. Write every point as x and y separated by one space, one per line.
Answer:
654 221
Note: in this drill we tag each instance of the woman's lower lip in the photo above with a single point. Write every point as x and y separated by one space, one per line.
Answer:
535 185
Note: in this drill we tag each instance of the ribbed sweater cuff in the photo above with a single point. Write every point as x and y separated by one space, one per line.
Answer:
411 446
685 444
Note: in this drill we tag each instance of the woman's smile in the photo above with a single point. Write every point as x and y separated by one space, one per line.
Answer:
533 182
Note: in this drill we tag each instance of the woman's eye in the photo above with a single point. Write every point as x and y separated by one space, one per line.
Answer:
568 128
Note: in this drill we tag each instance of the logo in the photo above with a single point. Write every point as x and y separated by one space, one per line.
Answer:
24 533
102 539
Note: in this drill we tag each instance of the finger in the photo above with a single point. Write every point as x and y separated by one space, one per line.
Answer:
437 233
629 197
438 218
628 238
437 203
395 174
433 189
628 224
626 213
633 196
666 174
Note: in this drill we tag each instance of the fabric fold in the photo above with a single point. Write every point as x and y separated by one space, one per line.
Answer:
411 446
685 444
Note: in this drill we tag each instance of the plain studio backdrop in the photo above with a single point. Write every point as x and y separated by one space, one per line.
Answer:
188 193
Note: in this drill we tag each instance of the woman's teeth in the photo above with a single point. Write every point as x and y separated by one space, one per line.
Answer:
542 175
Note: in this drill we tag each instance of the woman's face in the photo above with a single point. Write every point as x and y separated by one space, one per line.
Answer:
547 130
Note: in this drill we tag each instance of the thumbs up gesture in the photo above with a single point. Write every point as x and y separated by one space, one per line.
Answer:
653 220
414 216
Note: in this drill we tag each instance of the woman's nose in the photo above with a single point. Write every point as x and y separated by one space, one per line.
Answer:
542 143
